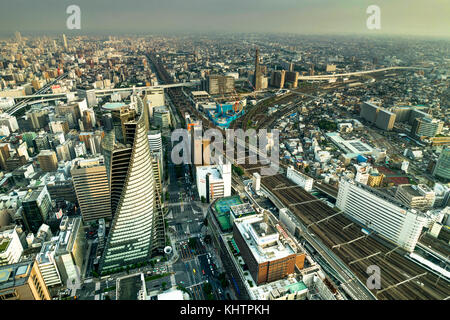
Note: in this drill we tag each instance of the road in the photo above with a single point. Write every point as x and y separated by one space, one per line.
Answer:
23 103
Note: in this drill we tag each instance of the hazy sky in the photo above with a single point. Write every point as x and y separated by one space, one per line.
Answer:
411 17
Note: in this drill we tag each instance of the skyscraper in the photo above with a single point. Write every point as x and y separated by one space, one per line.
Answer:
47 160
92 188
257 78
442 168
65 41
137 229
36 207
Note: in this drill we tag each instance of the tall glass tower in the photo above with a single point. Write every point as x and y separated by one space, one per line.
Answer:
137 229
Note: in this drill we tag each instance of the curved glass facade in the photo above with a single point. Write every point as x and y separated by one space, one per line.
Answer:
137 228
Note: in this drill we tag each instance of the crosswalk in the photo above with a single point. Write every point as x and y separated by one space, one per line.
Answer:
197 291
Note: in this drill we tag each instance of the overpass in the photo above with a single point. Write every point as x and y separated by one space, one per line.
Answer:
101 92
162 86
355 73
41 91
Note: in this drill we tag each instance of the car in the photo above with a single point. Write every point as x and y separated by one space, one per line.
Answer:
203 271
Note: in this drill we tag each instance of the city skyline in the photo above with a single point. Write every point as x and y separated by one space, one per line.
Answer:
199 16
207 150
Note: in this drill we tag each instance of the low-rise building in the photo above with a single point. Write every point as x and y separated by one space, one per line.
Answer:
10 247
214 181
416 196
22 281
267 257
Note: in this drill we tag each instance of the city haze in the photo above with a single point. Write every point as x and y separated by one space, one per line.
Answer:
412 17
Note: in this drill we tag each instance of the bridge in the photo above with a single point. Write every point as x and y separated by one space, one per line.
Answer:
24 103
100 92
356 73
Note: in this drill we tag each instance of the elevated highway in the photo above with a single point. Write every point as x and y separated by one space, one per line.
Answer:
356 73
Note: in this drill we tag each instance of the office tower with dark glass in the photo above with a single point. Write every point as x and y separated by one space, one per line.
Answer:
137 229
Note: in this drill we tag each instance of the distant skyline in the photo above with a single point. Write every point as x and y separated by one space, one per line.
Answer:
398 17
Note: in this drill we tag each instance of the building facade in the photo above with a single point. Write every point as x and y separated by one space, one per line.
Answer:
92 188
137 229
387 217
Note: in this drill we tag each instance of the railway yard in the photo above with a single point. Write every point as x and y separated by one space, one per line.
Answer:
395 267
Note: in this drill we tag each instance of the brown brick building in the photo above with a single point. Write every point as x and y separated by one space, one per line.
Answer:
268 257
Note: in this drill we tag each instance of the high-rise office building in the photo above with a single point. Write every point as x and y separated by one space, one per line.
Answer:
119 118
36 206
385 120
108 142
71 249
10 121
88 93
65 41
292 77
92 188
369 111
268 257
196 143
442 167
155 141
47 160
214 181
10 246
278 78
137 230
153 98
388 217
219 84
257 77
161 116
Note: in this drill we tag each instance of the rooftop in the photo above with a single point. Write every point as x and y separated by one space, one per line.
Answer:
129 287
242 210
14 275
113 105
224 205
262 239
290 285
4 243
213 170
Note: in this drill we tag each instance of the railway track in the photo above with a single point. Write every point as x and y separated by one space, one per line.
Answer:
395 267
